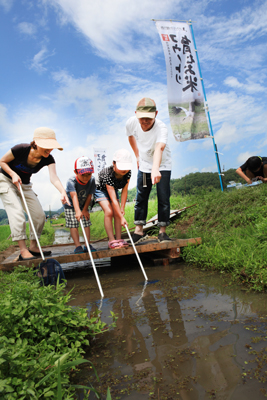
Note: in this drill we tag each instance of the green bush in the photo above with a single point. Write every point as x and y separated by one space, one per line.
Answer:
37 328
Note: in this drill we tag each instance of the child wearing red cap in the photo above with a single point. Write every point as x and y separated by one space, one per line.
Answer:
80 189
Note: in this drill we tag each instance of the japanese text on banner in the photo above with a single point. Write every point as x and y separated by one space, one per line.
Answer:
185 95
100 156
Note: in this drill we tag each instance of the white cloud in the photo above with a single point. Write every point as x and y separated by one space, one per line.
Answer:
226 135
107 103
190 170
243 157
40 60
112 27
19 127
122 30
250 86
27 28
210 168
242 26
244 112
233 82
7 4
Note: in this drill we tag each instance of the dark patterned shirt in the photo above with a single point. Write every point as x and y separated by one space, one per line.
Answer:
107 177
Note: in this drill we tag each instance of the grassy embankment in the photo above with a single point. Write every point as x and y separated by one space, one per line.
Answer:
232 225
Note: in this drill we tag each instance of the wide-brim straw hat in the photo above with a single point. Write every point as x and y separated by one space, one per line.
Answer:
46 138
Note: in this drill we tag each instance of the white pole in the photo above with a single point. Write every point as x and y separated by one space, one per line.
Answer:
137 255
30 219
92 260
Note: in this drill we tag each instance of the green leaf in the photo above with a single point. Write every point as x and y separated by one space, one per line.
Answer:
49 394
108 395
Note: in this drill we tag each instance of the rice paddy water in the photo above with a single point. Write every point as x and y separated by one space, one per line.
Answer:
190 335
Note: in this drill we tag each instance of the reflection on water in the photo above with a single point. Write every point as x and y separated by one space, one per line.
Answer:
188 336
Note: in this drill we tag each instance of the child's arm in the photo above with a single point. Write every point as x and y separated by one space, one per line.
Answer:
75 202
244 176
86 206
115 204
124 194
134 146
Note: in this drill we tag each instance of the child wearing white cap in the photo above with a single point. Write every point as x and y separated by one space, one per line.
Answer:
110 180
80 189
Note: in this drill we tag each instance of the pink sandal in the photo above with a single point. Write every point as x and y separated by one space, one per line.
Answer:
114 244
123 243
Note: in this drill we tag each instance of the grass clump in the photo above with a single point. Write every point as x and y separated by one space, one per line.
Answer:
37 329
5 241
233 228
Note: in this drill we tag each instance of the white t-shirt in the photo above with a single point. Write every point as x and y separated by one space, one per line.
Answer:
146 143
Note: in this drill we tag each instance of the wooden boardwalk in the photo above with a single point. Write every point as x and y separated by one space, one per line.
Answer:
64 253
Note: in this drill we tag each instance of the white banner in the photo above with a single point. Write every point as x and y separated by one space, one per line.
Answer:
185 95
100 156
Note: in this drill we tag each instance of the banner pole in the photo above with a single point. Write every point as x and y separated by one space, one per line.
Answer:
206 108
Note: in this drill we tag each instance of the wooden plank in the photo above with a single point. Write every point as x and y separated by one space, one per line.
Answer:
62 254
165 257
170 253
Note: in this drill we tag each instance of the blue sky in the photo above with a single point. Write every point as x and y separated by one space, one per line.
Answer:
80 67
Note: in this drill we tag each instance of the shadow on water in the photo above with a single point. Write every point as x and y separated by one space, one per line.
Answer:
191 335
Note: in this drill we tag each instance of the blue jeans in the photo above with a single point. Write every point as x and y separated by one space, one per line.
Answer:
163 194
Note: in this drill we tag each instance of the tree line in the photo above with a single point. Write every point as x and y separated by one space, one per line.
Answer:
193 182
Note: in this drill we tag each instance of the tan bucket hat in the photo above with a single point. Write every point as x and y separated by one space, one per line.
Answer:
46 138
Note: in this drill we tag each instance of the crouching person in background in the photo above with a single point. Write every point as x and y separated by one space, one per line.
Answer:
255 168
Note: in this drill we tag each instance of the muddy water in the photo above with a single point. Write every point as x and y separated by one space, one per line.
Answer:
191 335
62 235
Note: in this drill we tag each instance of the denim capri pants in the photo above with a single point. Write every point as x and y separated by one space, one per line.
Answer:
101 195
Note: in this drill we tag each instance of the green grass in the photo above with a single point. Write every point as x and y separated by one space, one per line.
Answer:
4 232
97 219
57 221
46 239
233 227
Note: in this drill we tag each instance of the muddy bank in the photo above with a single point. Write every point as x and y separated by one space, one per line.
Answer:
6 253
